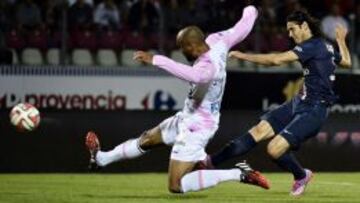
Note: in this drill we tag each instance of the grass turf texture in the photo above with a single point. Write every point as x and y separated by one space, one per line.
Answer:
142 188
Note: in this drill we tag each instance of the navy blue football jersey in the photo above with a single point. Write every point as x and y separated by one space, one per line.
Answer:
319 60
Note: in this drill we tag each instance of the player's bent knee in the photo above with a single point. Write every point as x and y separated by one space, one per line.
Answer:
277 147
174 185
149 140
273 150
261 131
174 189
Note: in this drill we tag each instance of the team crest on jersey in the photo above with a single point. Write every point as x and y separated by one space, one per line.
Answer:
306 71
330 48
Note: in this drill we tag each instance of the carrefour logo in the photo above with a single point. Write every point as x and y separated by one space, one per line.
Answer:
159 100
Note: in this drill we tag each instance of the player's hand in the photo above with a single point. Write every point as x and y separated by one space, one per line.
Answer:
340 32
144 57
236 54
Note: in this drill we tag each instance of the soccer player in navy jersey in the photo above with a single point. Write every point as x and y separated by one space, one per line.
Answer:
295 121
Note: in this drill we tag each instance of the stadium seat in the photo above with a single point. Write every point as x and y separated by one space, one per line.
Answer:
153 51
82 57
248 65
178 56
355 63
106 57
53 56
32 56
296 65
127 58
232 63
15 57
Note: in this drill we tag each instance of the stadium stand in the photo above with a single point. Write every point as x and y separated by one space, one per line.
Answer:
32 56
82 57
106 57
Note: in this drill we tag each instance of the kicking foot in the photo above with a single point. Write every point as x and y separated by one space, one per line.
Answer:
299 186
252 177
93 145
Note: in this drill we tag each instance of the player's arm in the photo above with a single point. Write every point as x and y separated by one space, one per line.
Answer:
202 72
273 59
344 51
242 28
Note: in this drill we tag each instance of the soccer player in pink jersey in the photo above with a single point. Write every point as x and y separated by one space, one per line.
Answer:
189 131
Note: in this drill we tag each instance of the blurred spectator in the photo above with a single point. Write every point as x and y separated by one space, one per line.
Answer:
5 16
80 15
11 2
357 31
52 13
329 22
28 15
107 15
279 40
5 21
316 7
198 13
143 17
267 12
172 16
286 7
72 2
345 6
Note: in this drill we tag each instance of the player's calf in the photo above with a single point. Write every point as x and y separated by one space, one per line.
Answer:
177 170
150 139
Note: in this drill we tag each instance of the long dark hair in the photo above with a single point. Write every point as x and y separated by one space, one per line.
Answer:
301 16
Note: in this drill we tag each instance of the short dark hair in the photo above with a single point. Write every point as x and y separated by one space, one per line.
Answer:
192 34
301 16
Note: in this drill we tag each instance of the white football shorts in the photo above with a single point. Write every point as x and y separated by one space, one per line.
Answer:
188 145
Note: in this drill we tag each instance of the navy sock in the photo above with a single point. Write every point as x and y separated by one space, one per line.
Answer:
236 147
289 163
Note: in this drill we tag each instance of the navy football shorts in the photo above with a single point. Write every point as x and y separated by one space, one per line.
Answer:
297 120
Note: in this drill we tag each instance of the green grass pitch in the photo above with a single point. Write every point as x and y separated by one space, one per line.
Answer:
143 188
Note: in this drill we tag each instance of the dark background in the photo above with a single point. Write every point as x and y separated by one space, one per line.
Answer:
58 145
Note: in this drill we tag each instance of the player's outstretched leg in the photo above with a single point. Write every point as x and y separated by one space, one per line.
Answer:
203 179
252 177
299 186
278 150
129 149
238 146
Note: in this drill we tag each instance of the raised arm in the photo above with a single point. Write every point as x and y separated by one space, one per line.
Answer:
201 72
242 28
273 59
344 51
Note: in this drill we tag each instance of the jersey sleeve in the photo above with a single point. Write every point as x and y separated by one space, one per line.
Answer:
305 51
241 29
202 72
